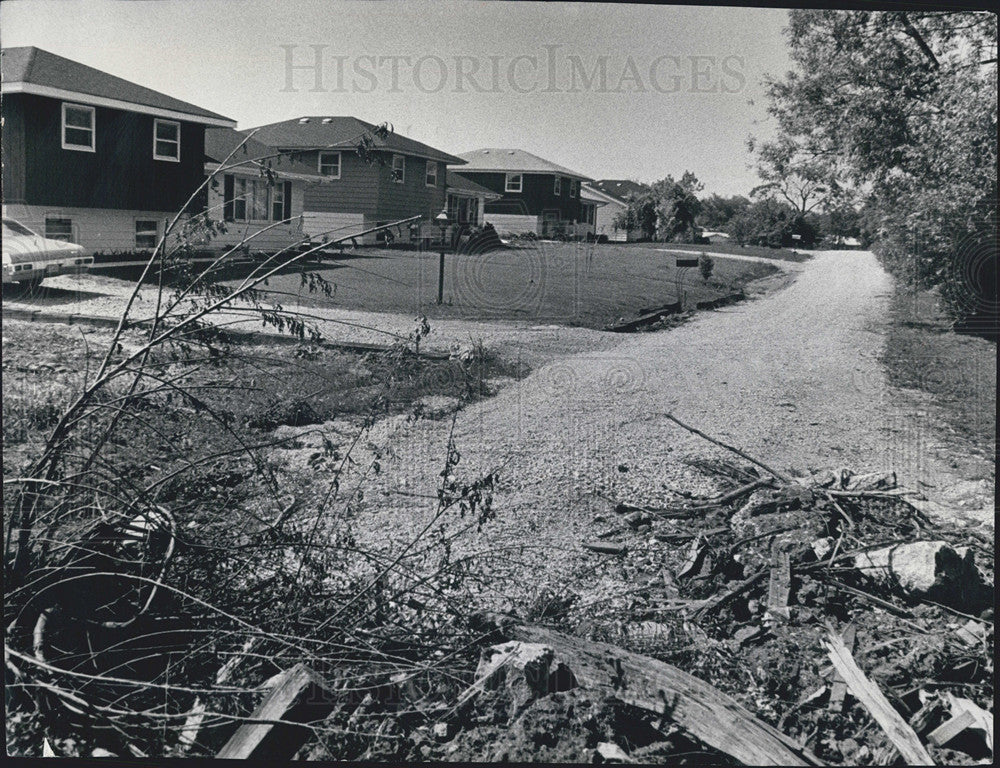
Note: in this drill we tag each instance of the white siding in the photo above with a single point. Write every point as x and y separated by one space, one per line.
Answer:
605 223
319 224
263 236
96 229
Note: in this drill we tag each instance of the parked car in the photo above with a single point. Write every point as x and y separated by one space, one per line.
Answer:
28 257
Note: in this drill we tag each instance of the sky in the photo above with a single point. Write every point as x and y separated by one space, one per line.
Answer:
607 90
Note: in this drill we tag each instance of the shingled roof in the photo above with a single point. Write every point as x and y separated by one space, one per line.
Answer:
220 143
462 184
319 132
37 71
620 189
513 161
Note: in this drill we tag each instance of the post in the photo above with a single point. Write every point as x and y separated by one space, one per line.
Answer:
441 267
441 273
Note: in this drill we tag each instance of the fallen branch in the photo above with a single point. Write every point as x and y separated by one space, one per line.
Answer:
702 710
878 706
780 475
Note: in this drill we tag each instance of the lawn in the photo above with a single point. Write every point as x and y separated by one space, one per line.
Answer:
573 284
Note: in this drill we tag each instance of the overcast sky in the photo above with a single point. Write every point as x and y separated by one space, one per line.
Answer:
610 91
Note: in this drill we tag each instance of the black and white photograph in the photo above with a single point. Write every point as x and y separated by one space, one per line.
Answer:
485 381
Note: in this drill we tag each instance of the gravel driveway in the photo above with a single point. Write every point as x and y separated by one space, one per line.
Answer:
793 378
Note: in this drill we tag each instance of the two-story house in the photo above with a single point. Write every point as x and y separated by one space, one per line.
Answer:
93 158
536 195
407 180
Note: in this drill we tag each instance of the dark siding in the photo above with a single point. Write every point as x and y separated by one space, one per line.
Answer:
411 198
121 174
356 191
537 195
13 149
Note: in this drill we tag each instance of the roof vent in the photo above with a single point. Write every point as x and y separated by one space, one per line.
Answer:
486 151
510 151
303 119
327 120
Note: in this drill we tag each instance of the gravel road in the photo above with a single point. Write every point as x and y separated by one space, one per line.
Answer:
793 378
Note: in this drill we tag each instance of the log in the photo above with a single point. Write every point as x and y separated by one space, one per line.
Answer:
700 709
302 697
865 691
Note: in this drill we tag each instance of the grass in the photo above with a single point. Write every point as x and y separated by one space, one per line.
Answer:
783 254
957 371
552 283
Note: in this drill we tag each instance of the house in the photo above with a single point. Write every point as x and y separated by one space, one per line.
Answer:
259 195
536 195
408 179
615 194
467 200
95 159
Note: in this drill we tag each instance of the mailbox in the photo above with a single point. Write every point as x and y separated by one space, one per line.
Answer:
686 262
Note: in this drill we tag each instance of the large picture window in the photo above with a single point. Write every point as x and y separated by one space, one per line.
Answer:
166 140
78 127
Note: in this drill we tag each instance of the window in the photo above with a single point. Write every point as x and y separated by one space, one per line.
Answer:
240 199
557 187
329 164
572 187
166 140
512 183
432 174
398 169
278 202
258 194
146 233
57 228
78 127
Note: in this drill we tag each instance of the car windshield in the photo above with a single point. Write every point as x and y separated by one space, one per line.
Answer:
11 227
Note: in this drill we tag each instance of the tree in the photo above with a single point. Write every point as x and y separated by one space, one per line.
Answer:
716 211
639 215
902 106
678 206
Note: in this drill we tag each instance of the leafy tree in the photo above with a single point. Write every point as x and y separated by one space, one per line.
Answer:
716 211
902 105
640 215
678 206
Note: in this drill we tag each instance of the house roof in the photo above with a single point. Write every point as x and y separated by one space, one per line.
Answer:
620 189
514 161
318 132
220 143
590 195
462 184
37 71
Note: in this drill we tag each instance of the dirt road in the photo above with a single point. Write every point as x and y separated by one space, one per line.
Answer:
793 378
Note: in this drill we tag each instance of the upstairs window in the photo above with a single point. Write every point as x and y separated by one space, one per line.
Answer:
329 164
78 127
166 140
398 169
432 174
513 182
572 187
557 187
